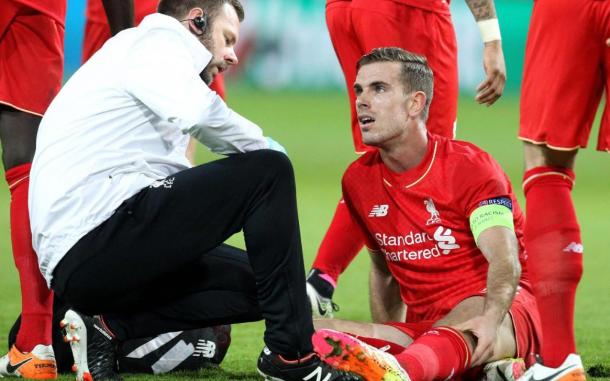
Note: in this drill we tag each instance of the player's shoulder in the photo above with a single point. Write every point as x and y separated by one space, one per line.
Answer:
466 155
363 167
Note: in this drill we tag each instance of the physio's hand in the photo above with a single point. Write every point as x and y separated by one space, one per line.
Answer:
492 87
273 145
485 329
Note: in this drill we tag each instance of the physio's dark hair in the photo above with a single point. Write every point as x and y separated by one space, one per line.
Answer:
415 73
180 8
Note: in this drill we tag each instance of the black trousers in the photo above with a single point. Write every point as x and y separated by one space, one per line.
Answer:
158 264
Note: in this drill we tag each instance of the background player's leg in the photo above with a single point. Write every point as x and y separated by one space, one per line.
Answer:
18 137
554 246
343 239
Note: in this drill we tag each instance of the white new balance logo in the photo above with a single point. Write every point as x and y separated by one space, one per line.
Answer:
379 211
444 239
205 349
574 247
317 374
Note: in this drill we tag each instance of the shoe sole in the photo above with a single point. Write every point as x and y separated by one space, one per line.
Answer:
346 353
268 378
75 333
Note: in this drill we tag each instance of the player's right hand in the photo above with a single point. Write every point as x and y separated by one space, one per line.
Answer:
492 87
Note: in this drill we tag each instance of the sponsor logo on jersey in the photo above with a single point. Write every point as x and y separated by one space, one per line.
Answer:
441 243
573 247
434 215
167 183
379 211
504 201
445 240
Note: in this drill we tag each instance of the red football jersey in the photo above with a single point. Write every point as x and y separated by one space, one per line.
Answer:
419 221
52 8
142 8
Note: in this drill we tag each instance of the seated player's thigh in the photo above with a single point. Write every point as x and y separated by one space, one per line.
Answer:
474 306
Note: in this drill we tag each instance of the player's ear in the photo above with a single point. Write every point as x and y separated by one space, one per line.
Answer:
417 103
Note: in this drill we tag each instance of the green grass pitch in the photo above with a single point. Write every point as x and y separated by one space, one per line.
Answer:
314 129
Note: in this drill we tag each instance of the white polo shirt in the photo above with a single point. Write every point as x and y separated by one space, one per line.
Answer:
121 122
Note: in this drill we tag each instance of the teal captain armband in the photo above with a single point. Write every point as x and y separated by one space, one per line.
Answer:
488 216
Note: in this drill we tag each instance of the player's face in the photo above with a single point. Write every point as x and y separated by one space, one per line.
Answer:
381 103
224 36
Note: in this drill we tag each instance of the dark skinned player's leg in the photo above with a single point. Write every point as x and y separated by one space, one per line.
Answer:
18 137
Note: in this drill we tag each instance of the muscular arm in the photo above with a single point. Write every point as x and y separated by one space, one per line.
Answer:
120 14
482 9
384 293
499 246
490 90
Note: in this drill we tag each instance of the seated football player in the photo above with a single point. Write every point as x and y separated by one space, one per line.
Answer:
444 233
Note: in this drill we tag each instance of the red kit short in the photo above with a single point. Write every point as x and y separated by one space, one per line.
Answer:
566 71
524 313
358 26
31 68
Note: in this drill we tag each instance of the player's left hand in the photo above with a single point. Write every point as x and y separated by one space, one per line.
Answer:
485 329
492 87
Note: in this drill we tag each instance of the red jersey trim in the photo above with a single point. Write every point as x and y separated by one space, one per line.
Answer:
424 174
20 109
544 143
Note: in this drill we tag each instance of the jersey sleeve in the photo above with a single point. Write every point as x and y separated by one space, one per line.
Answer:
161 74
485 184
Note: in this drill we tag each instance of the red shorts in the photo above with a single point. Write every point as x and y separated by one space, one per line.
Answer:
566 66
526 322
31 68
358 26
96 34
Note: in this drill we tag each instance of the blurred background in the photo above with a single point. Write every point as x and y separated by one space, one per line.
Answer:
284 44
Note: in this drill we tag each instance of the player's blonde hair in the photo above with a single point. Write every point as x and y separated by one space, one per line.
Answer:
415 73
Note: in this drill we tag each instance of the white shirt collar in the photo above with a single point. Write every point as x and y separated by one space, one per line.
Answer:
201 54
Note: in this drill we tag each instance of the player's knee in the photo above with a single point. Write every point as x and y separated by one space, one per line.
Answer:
273 163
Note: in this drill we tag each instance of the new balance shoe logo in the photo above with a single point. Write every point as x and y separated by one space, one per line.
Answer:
379 211
574 247
444 239
318 374
205 349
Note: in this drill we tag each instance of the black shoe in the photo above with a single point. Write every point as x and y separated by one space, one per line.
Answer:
92 347
320 293
272 367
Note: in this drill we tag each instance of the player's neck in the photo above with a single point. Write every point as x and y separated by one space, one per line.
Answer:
406 153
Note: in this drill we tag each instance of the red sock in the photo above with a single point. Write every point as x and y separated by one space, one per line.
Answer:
36 298
341 244
388 346
441 353
554 248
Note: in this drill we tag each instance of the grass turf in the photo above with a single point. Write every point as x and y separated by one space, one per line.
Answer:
314 129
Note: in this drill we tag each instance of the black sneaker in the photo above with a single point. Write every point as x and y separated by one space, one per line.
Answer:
272 367
320 293
92 347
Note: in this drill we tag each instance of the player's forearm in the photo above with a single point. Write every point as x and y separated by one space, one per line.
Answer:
482 9
502 276
386 304
120 14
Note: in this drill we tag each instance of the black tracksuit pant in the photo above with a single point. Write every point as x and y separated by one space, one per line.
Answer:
158 263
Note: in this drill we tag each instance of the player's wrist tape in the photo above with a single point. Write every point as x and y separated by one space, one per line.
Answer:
490 30
487 216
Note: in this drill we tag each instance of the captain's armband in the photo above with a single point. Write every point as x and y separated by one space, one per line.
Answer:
490 213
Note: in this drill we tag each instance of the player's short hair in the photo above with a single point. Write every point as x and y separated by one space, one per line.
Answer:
179 8
416 75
